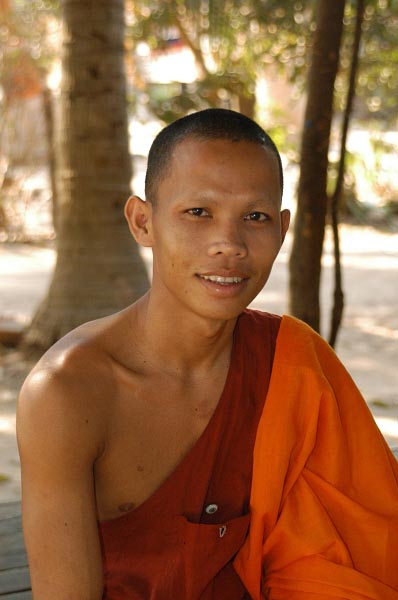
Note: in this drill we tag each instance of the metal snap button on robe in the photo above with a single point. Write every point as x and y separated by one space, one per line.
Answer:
211 509
222 531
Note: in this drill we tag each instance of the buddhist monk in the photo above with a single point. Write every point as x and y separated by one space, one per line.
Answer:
187 447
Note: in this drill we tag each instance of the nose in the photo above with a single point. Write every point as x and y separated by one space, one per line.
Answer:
227 240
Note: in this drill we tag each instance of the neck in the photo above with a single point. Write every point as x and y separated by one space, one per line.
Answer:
180 344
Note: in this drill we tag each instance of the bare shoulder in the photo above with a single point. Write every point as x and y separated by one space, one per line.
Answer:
70 390
64 412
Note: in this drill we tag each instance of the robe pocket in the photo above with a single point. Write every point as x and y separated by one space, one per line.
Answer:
207 548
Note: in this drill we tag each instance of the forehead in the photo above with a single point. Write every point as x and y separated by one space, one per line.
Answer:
208 148
222 162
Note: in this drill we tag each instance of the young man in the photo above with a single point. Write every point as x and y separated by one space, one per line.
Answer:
187 448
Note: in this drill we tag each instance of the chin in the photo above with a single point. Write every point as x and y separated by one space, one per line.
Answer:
220 313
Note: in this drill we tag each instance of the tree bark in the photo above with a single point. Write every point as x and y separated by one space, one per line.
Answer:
305 259
49 122
98 269
247 105
338 297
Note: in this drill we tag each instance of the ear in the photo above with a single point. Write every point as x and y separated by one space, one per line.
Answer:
139 218
285 222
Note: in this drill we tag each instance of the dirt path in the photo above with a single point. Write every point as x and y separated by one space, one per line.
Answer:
368 342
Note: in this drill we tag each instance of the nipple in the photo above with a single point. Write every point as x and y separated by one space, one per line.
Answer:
127 507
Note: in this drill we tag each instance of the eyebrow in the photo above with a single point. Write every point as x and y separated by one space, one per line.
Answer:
209 198
267 201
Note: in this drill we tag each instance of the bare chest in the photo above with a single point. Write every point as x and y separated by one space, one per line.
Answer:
153 427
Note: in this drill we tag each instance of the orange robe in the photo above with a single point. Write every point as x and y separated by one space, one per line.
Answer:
324 497
170 547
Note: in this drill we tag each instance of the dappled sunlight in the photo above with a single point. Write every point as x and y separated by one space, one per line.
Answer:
7 424
388 427
363 260
362 362
363 240
270 301
14 262
368 326
25 273
363 248
372 368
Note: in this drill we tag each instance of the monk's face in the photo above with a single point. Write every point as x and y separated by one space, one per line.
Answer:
217 226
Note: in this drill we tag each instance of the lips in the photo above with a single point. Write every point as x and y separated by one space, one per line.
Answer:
224 284
221 280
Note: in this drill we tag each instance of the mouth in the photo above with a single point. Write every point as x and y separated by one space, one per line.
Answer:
220 280
224 285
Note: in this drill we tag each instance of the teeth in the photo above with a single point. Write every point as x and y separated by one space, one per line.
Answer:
222 280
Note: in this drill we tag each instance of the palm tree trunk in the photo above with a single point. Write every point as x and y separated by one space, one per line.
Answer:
98 269
49 123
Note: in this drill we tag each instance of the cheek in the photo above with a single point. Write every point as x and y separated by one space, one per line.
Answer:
171 256
185 244
266 247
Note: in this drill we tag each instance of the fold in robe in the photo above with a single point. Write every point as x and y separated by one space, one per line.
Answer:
170 547
324 496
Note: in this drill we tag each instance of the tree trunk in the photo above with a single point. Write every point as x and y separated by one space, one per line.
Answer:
98 269
305 259
338 297
49 122
247 105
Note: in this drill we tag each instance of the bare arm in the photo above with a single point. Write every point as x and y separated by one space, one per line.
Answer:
59 438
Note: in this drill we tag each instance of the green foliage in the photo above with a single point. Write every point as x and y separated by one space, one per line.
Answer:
24 30
377 83
234 42
26 48
379 75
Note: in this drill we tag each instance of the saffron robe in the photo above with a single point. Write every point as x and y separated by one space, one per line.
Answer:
179 544
324 497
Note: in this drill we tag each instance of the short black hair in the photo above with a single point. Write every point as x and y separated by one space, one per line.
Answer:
211 123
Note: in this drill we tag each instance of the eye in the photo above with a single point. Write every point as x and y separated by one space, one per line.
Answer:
257 216
198 212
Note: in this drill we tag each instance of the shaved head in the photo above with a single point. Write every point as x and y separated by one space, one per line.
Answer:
209 124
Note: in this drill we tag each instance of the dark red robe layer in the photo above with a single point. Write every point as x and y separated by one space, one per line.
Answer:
171 547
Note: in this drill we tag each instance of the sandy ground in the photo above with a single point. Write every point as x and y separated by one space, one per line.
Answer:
368 341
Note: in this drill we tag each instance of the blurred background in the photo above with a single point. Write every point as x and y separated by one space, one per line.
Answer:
251 56
84 88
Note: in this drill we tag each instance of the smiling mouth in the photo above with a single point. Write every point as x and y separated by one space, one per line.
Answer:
221 280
